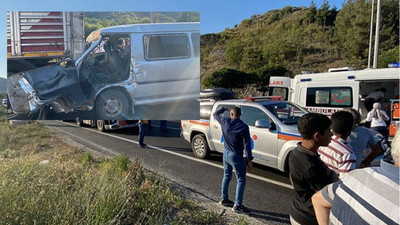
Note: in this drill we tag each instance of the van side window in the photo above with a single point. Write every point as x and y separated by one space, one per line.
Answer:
329 97
166 46
196 44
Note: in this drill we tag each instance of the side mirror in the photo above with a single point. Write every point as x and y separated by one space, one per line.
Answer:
263 123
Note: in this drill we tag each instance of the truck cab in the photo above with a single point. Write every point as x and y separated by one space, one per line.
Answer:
272 124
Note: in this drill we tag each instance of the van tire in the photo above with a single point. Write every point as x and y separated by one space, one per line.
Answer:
200 147
79 122
111 105
100 125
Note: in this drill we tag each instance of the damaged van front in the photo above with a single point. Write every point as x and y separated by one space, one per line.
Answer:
29 91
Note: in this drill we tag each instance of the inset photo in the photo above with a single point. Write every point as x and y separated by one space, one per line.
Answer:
103 65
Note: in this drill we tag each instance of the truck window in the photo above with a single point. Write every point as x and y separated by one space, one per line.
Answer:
166 46
226 113
196 44
251 114
329 97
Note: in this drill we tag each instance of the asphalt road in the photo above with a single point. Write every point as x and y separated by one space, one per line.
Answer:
268 192
180 110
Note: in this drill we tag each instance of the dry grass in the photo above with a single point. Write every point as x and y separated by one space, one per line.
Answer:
44 181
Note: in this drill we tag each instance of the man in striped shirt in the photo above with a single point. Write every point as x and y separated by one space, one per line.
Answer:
363 196
338 155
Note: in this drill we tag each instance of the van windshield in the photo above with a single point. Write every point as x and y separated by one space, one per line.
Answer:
286 112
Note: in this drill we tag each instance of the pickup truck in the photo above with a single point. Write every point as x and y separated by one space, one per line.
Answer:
272 123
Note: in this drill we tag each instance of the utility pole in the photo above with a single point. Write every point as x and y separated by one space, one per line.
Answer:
371 30
153 17
377 33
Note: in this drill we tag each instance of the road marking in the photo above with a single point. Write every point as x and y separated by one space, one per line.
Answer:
176 154
168 128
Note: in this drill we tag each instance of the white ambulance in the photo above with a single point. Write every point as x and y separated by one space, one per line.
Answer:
339 88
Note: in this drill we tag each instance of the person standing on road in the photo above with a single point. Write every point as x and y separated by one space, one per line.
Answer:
163 126
307 172
142 130
363 196
236 138
338 155
361 138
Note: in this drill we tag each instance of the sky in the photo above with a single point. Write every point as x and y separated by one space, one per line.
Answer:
215 15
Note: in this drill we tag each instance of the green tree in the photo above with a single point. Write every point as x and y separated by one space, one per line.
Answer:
311 13
389 56
352 29
234 52
322 13
145 20
270 70
228 78
189 17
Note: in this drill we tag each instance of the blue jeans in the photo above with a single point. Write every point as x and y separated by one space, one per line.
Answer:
142 129
163 125
382 130
235 161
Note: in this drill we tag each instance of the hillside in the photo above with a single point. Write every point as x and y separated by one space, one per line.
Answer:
301 39
96 20
3 85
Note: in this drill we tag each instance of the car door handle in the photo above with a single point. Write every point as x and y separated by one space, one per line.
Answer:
216 127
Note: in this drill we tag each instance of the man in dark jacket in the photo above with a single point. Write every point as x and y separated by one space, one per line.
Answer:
236 138
307 172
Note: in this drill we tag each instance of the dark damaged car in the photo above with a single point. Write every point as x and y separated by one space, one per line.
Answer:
124 68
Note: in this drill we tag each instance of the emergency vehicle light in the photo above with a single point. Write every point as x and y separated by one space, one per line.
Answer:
253 99
351 77
393 65
249 99
305 79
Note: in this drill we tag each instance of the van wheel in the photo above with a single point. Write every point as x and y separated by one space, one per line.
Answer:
200 147
100 125
112 105
79 122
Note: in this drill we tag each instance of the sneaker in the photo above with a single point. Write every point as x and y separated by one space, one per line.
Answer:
142 146
241 209
226 202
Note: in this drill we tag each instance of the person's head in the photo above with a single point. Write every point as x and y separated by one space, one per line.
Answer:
376 105
235 113
356 115
342 123
121 43
315 126
396 149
